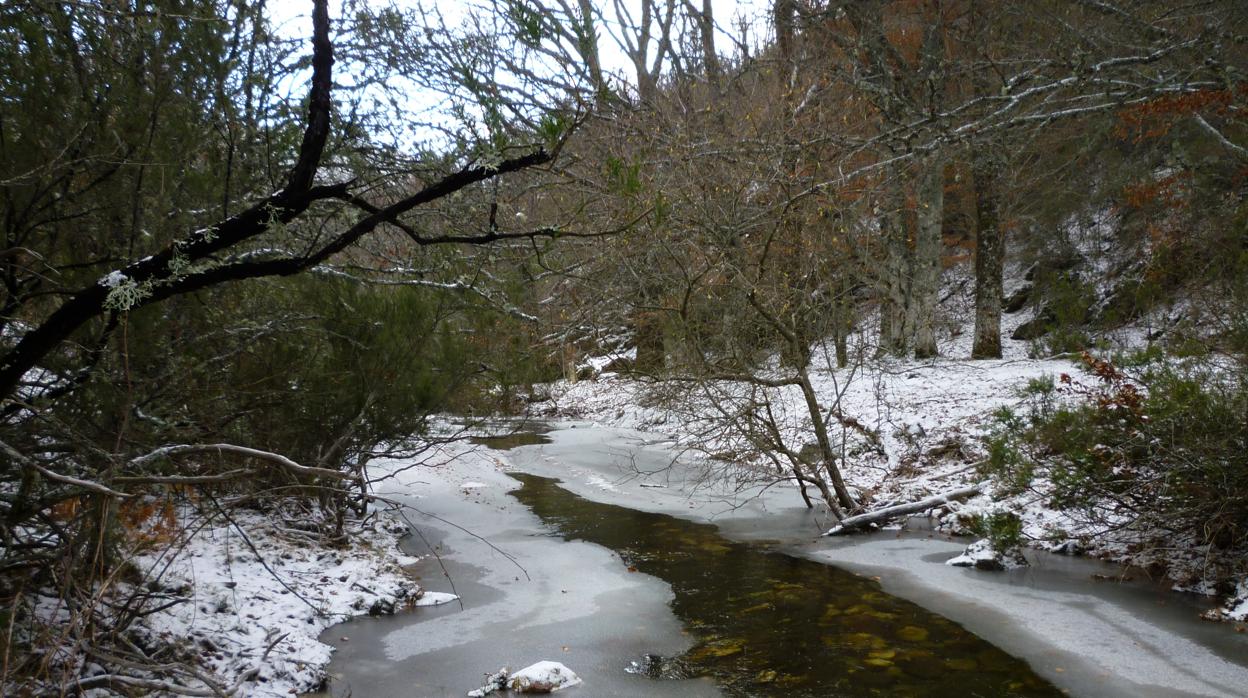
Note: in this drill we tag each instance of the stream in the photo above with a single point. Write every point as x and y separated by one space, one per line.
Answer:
600 556
767 622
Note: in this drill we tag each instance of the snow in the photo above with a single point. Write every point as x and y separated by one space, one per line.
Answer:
912 406
601 483
982 555
543 677
113 279
929 418
435 598
599 363
1236 607
256 595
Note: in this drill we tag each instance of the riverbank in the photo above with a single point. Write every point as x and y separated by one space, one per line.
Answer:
248 595
911 429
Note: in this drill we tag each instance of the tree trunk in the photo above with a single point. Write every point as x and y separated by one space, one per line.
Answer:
649 337
705 21
842 345
784 18
843 497
841 323
989 257
801 486
895 299
587 44
927 253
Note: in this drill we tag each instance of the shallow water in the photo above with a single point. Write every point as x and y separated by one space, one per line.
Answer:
766 622
503 442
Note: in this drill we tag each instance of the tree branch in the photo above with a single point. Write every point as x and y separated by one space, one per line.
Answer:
276 458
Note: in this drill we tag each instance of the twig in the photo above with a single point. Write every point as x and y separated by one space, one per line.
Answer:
260 558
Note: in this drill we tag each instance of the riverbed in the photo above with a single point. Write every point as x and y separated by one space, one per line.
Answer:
617 572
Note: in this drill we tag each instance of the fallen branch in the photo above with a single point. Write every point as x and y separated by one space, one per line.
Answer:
879 515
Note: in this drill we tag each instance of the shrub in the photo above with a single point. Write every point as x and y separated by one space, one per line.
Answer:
1163 453
1002 528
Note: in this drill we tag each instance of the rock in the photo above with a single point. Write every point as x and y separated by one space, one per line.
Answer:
542 677
1017 300
982 556
493 682
1036 327
1070 546
381 607
1234 609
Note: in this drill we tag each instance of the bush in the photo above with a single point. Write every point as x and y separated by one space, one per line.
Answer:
1002 528
1163 453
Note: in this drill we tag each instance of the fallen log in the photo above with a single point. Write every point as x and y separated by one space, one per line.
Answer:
879 515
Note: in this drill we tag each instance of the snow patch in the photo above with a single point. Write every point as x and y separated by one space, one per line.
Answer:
542 677
435 598
113 279
1235 609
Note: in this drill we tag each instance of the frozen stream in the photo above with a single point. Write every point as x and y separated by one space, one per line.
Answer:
759 622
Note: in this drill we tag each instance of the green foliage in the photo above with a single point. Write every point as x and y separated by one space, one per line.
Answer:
623 177
1165 451
1070 300
529 23
1005 462
1004 529
552 128
1042 387
1141 357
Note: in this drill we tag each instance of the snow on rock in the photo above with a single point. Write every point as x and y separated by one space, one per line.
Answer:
542 677
982 556
473 485
494 682
1235 609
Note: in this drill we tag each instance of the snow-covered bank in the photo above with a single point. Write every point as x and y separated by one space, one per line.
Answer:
250 595
231 597
909 430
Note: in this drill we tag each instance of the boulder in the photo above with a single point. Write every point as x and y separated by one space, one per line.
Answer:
542 677
982 556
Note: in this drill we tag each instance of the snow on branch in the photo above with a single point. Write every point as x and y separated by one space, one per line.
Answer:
276 458
458 285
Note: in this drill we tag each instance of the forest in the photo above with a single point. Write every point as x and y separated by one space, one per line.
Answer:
252 251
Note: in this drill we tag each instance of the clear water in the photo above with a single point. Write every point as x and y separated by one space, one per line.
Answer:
767 623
